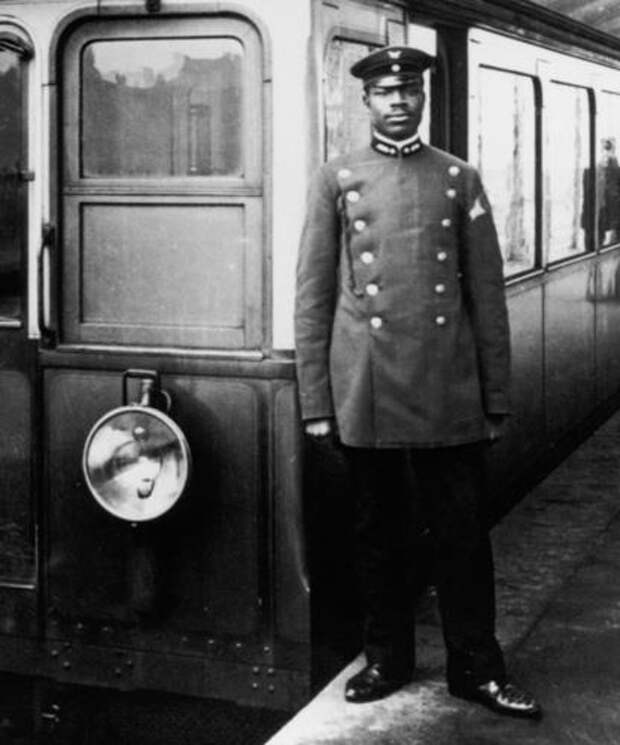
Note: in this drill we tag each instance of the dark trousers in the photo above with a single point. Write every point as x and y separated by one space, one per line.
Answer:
403 495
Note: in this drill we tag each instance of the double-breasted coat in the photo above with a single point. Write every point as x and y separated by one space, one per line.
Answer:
400 320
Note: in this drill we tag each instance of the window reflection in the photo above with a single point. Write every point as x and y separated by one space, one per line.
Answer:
346 118
608 170
161 107
11 196
506 159
568 153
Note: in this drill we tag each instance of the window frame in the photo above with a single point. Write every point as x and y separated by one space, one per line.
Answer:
137 29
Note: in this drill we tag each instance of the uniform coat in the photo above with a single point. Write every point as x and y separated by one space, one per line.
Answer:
400 321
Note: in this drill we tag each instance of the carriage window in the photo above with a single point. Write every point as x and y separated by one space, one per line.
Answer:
568 163
12 205
608 170
506 157
161 107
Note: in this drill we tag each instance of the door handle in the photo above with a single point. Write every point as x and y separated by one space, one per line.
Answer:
48 241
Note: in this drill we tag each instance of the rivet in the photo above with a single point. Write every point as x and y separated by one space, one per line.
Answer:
266 649
238 645
256 670
54 653
129 663
271 671
271 688
254 685
66 664
211 642
118 672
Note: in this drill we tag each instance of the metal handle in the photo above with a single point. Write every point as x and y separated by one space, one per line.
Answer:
150 392
45 283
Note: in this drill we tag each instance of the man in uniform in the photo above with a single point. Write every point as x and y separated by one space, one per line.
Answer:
403 352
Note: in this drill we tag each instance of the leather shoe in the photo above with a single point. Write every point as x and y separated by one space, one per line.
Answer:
373 682
503 698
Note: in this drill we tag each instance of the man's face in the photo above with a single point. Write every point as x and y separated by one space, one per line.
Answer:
395 111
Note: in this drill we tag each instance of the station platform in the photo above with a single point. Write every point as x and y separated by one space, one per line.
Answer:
557 556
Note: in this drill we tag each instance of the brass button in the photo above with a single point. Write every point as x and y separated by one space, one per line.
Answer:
451 193
440 289
442 256
440 320
359 225
372 289
344 173
376 322
454 170
446 222
367 257
353 196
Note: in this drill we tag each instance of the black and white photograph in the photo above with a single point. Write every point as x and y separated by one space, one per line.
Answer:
309 372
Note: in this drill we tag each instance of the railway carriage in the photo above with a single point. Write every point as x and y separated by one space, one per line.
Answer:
154 162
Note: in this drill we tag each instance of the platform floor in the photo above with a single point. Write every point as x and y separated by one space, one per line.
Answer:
557 558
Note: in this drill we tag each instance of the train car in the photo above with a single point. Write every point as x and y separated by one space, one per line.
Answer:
163 524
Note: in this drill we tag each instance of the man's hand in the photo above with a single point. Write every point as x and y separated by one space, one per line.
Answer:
319 427
496 424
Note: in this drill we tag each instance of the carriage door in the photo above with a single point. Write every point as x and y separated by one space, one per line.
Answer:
159 268
17 353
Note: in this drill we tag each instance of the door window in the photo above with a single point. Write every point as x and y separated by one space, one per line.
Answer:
162 107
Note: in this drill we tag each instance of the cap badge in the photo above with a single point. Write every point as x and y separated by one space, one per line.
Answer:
395 68
394 53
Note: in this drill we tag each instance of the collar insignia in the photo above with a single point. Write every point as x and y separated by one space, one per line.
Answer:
394 148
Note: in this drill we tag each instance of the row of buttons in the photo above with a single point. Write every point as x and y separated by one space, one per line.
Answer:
354 196
368 257
372 289
377 322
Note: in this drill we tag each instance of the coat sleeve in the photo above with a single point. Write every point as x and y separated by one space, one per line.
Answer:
483 284
317 283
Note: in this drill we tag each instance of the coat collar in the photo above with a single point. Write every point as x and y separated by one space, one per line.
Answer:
395 148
